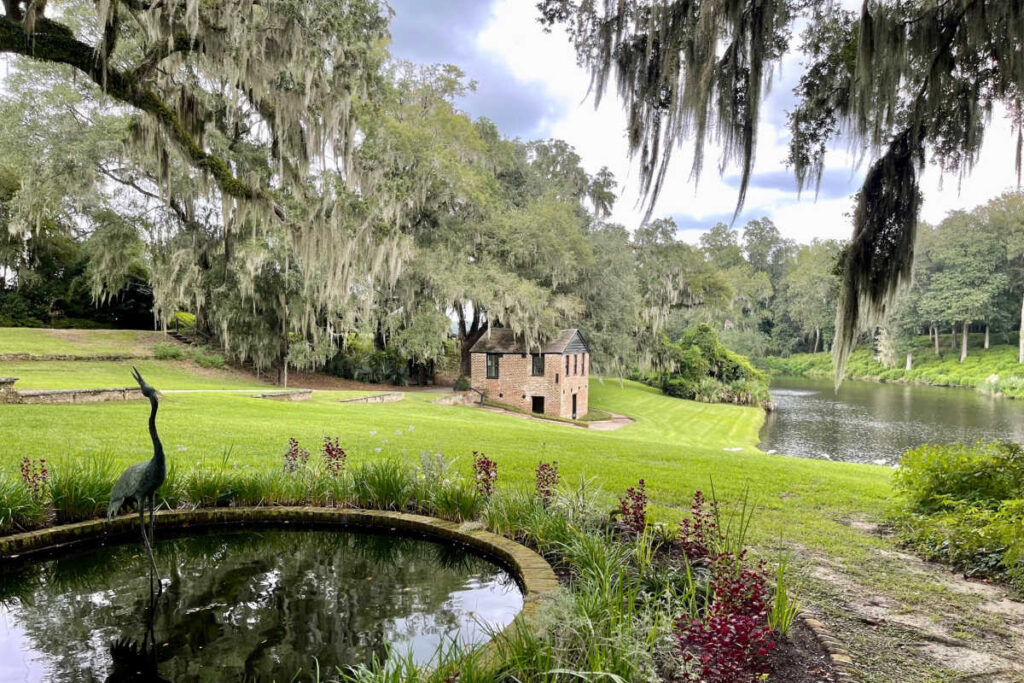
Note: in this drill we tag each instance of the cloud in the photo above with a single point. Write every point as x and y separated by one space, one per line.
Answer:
446 32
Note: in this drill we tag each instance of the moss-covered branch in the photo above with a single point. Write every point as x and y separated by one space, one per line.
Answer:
53 42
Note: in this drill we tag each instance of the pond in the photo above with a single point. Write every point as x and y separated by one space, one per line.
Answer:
870 422
253 605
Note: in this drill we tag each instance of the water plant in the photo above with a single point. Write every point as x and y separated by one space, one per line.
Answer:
80 487
334 456
35 476
295 456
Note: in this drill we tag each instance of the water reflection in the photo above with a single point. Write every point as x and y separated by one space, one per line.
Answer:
245 605
875 423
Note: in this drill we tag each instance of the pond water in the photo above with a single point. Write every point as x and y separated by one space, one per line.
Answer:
871 422
252 605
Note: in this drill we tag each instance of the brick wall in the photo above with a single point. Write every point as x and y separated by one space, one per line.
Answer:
517 386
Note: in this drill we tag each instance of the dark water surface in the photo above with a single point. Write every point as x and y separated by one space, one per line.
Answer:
875 423
252 605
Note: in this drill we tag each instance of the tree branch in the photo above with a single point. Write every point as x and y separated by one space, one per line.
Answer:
53 42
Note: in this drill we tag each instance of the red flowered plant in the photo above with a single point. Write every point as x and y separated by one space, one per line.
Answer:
633 507
35 475
731 640
334 456
699 534
294 456
547 481
485 474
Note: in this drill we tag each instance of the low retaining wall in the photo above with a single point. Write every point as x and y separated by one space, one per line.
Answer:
534 574
459 398
389 397
288 395
71 395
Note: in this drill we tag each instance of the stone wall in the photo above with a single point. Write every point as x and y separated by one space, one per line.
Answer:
389 397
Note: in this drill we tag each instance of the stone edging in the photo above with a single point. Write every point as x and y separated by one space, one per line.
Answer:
846 672
534 574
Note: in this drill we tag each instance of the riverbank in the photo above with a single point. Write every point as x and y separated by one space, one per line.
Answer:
993 371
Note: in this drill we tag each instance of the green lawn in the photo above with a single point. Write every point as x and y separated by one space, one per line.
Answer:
676 446
78 343
95 374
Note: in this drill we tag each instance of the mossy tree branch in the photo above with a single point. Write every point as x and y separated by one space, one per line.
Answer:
55 43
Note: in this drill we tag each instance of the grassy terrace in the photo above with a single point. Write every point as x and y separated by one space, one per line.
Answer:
77 343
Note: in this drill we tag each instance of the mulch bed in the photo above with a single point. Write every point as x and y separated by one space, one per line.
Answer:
800 658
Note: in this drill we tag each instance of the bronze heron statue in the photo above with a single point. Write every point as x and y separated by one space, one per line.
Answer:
139 482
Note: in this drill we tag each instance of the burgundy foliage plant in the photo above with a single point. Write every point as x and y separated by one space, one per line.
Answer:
547 481
485 474
633 507
334 456
698 534
294 456
35 475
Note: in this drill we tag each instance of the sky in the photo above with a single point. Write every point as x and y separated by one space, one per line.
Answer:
528 83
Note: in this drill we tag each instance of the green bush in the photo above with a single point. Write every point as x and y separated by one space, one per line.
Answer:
964 504
985 473
168 351
462 383
384 485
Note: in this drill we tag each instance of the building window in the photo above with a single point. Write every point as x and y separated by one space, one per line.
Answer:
538 365
567 366
575 364
492 365
583 363
556 378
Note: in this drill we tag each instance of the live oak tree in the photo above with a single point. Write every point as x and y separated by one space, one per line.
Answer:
898 80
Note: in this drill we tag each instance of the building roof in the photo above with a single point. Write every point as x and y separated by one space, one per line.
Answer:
503 340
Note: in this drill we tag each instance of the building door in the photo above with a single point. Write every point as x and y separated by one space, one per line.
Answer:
574 406
538 404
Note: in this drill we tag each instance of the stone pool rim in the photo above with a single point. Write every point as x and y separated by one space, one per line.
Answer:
532 572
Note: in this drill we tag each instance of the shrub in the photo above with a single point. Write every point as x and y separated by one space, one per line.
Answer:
986 473
730 640
462 384
168 351
81 488
633 508
784 605
485 474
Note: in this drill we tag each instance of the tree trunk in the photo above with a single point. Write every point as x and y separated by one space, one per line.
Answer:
963 342
986 337
952 337
910 361
935 334
817 338
1020 353
467 337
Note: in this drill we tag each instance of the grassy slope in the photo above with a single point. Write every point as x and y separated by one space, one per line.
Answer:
944 370
78 343
93 374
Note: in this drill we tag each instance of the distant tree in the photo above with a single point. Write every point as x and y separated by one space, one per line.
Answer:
1005 216
812 286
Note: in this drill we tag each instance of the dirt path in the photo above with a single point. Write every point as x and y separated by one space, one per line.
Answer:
904 619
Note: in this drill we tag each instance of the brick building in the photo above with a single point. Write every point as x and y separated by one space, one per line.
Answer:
552 380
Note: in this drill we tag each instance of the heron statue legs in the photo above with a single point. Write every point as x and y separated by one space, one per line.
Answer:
154 572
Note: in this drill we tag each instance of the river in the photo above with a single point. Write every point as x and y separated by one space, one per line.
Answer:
875 423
